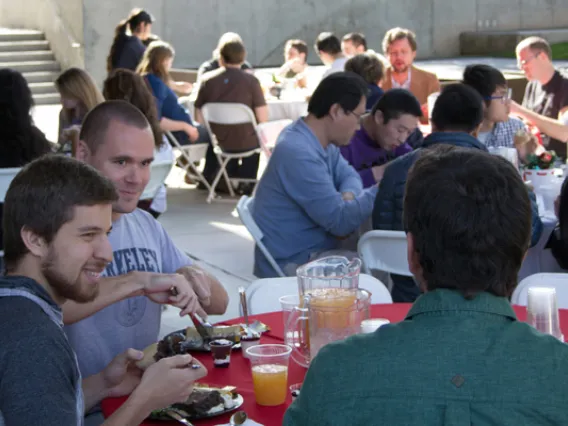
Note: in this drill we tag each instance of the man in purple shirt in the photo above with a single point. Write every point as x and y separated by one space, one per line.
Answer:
383 135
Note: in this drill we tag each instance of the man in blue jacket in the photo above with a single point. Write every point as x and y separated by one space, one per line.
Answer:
456 117
309 197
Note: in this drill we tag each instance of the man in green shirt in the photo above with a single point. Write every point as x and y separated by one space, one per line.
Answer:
460 357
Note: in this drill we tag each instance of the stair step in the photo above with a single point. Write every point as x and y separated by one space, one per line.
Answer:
43 88
41 76
29 66
41 55
47 99
8 34
24 46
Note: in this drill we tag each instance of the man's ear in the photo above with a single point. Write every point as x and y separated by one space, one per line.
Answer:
379 117
33 242
83 152
335 111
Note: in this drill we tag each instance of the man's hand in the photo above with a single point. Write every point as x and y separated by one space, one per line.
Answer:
168 381
192 132
173 289
199 282
121 376
347 196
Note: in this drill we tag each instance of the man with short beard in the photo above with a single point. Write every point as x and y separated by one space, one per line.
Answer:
400 46
57 214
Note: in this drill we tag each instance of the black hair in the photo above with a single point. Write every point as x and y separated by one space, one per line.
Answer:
328 43
396 102
485 79
343 88
459 108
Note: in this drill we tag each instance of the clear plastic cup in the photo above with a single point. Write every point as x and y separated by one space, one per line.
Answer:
269 364
373 324
288 304
542 311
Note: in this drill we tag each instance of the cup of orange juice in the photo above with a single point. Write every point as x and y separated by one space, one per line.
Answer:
269 365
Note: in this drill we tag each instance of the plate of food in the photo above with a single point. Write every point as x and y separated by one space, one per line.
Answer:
205 401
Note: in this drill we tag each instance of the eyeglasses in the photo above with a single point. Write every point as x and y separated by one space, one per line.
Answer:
358 116
524 62
504 98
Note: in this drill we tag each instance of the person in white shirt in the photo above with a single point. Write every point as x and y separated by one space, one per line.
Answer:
328 47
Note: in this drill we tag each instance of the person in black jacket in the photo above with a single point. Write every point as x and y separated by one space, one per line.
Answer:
456 117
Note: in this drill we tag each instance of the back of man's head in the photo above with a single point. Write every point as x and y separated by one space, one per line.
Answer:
98 120
343 88
233 52
358 39
328 43
468 216
42 198
484 79
396 102
459 108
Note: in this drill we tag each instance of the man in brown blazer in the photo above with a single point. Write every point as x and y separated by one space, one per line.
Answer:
399 46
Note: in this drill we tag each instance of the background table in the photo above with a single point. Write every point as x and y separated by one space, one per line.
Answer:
238 374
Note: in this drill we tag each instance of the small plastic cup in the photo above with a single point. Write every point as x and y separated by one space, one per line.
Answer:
248 341
288 304
542 311
373 324
295 390
269 364
221 350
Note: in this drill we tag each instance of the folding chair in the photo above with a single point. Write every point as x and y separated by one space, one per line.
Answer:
244 209
268 134
191 154
229 114
158 175
6 177
384 251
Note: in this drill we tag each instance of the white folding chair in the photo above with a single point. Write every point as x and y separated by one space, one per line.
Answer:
263 294
191 154
244 209
557 281
268 134
158 175
229 114
384 251
6 177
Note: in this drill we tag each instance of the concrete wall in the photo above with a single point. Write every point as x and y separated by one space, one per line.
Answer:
61 20
193 26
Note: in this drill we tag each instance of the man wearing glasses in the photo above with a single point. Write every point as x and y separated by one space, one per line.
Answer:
546 95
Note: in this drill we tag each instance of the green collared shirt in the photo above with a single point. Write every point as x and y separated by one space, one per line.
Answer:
452 361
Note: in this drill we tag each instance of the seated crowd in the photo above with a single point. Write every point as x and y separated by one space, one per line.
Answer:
88 267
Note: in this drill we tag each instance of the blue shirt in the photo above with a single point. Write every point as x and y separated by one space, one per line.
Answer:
298 204
167 101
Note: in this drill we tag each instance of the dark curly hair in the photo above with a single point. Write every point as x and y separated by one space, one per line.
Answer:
20 141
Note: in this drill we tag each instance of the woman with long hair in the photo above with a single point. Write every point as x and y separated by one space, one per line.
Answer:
128 46
155 68
128 86
79 94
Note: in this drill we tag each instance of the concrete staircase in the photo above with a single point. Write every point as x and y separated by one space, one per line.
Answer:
28 52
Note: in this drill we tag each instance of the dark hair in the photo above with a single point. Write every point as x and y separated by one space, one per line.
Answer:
396 102
97 121
128 86
233 52
328 43
469 214
343 88
485 79
134 19
300 45
42 197
20 140
459 108
536 45
396 34
367 65
357 39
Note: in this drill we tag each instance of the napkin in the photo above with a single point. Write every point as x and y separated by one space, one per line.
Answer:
249 422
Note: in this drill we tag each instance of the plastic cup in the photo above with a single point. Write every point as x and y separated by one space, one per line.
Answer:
542 311
288 304
221 351
373 324
269 364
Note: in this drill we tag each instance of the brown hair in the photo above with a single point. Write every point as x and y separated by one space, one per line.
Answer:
300 45
367 65
398 33
78 84
128 86
42 198
135 18
153 60
97 121
536 45
358 39
233 52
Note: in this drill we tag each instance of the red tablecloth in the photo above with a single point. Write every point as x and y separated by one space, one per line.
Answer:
238 374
